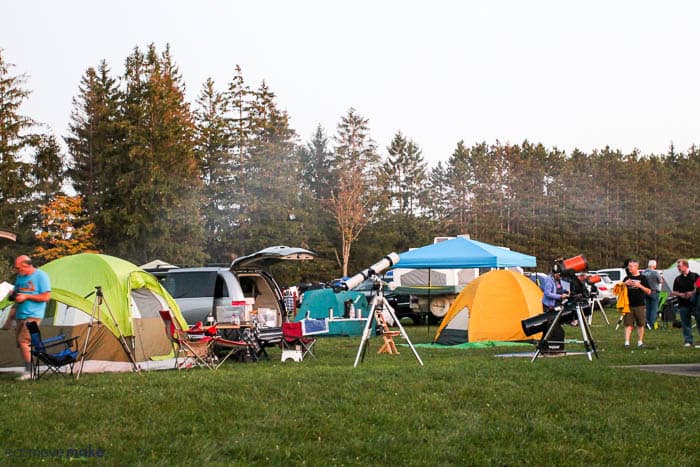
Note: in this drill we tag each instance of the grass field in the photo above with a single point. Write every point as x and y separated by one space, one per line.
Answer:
464 407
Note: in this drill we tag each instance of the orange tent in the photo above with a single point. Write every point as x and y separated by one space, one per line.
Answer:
491 308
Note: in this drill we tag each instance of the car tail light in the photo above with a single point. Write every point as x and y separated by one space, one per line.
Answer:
238 302
602 288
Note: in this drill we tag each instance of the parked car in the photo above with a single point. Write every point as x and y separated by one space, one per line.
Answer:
223 292
616 274
604 289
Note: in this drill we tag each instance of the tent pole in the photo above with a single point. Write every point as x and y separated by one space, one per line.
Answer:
430 304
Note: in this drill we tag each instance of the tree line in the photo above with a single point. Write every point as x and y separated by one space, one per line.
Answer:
146 174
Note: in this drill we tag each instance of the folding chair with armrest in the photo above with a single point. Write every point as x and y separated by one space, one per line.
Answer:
225 347
195 346
53 361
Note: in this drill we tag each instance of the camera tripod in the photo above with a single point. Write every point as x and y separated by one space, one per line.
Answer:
380 304
586 335
96 312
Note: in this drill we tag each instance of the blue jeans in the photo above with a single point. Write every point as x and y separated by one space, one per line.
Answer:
652 303
686 312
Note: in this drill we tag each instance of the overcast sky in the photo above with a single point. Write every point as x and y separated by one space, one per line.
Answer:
567 74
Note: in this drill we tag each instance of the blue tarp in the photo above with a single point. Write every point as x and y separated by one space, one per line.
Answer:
463 253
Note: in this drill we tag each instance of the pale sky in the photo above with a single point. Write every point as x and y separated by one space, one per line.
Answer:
567 74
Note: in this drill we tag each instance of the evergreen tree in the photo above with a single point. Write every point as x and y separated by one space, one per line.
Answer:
154 212
436 198
460 180
15 140
405 174
316 160
96 143
48 170
214 152
271 171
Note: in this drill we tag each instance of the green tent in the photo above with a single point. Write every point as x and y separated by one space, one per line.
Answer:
133 297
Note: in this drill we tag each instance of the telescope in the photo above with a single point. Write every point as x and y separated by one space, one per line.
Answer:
542 322
377 268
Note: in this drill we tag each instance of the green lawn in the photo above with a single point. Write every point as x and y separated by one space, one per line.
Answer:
464 407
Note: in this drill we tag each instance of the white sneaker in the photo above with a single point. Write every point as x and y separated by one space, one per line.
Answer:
687 344
24 376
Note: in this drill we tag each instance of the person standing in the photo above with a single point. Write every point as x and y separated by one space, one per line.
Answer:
652 300
637 289
31 293
684 289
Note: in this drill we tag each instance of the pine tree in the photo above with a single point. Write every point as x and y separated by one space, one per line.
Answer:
405 173
272 176
15 140
154 209
316 160
460 179
96 143
48 169
214 151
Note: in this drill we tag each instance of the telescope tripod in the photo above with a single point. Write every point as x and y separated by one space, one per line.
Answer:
586 335
380 304
594 303
96 312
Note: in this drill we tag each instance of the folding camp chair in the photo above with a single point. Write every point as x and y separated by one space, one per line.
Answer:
225 347
52 361
190 346
295 345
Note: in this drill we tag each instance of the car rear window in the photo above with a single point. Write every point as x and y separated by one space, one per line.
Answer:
190 284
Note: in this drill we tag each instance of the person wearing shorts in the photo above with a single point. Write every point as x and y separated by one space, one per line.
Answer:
637 290
31 293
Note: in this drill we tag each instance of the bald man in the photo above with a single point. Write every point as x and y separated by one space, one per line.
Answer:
32 292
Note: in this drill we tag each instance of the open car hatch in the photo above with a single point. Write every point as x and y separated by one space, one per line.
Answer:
271 255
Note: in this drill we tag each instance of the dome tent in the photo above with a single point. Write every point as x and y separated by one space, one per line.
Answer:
133 296
491 308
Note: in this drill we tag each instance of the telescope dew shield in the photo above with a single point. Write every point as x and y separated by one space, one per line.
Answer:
594 279
377 268
575 264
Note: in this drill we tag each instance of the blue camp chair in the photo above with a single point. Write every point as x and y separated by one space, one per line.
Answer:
52 361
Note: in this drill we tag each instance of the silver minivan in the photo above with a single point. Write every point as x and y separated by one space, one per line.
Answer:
237 291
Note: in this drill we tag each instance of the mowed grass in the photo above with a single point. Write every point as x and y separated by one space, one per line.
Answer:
464 407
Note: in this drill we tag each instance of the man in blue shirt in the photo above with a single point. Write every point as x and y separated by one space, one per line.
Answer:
32 292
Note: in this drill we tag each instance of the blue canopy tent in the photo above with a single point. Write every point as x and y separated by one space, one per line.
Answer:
459 253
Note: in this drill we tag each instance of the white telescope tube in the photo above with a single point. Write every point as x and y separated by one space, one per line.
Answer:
377 268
